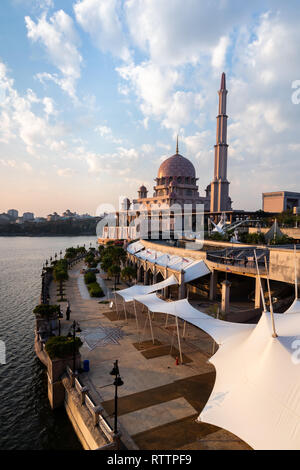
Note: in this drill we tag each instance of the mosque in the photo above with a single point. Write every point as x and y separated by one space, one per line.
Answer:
176 184
176 181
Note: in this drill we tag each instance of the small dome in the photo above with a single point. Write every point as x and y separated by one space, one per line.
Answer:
143 189
177 165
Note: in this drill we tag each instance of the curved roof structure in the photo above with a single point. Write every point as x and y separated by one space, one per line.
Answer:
177 165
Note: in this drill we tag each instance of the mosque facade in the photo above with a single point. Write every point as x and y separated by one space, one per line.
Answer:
176 181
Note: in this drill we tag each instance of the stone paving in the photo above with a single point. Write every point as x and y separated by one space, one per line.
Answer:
159 401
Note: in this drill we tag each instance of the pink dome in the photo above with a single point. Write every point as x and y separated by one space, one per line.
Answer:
177 165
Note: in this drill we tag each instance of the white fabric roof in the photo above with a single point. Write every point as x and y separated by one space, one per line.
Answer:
256 395
219 330
150 255
130 293
295 307
195 270
257 391
135 247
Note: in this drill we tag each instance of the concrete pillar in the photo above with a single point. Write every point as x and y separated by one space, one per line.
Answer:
225 305
154 275
139 274
213 285
181 287
166 292
146 278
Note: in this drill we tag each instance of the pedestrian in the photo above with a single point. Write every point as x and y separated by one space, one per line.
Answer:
68 311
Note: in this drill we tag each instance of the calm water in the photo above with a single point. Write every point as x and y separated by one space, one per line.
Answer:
26 420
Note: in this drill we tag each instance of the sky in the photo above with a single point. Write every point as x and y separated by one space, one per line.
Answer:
94 92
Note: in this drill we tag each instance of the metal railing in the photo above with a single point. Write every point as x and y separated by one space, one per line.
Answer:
238 262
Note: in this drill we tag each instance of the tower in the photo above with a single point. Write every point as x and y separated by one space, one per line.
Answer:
219 191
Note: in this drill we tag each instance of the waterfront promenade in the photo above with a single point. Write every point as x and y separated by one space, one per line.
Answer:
159 401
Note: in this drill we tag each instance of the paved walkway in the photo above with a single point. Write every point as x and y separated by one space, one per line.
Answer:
159 400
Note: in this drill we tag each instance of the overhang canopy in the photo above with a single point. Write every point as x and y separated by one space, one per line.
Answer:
130 293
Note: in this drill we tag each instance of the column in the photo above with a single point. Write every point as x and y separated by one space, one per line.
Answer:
146 278
213 285
139 274
225 297
181 287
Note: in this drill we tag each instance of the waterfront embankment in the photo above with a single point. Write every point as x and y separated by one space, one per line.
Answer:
160 400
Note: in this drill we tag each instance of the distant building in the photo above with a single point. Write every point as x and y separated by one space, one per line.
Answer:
28 216
53 217
4 219
39 220
279 201
13 213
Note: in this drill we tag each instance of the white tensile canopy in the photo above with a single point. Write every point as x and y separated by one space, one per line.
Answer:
135 247
219 330
195 270
257 390
256 395
134 291
295 307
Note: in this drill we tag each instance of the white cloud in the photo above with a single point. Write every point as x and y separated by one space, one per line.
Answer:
100 19
65 172
59 38
19 119
107 133
219 53
155 88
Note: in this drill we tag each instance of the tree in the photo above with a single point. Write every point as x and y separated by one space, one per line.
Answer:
128 273
60 276
114 271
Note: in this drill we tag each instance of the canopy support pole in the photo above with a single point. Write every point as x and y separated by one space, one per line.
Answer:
151 329
144 330
125 310
136 319
270 300
116 304
166 320
261 289
179 342
184 328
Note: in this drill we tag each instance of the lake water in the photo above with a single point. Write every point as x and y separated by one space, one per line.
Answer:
26 419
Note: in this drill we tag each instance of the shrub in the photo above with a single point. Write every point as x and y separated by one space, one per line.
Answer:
89 278
95 290
46 311
62 346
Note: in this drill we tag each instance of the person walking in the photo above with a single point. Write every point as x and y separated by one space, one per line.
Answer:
68 311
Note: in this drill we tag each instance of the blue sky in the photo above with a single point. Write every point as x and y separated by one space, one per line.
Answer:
94 92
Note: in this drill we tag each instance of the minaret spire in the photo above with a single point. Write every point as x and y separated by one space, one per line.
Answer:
177 151
220 200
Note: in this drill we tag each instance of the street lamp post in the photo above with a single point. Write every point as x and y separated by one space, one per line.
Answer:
118 382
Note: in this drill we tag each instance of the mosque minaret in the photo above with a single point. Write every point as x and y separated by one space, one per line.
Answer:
218 190
176 181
